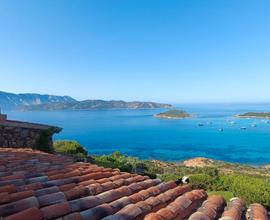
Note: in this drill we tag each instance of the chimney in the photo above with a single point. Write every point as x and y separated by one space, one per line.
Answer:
3 118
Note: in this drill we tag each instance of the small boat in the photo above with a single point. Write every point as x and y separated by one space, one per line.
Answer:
254 125
243 128
220 130
200 125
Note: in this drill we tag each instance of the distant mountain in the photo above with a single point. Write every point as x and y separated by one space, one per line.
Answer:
96 104
35 102
10 101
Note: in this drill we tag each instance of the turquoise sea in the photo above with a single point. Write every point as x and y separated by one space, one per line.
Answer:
138 133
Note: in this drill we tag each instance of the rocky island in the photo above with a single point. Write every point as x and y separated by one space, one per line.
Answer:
173 114
254 115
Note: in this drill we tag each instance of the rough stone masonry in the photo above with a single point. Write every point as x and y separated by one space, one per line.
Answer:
17 134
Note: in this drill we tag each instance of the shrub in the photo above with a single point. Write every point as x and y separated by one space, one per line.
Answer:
251 189
201 181
168 177
226 194
70 147
124 163
42 142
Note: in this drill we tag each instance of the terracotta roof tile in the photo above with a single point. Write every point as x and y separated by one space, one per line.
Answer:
66 187
21 195
56 210
18 206
46 191
4 197
97 212
257 212
31 186
35 185
27 214
212 208
52 198
234 209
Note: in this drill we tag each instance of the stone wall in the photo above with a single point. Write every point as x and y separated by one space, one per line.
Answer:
18 137
3 117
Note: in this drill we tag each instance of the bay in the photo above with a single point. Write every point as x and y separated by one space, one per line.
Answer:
138 133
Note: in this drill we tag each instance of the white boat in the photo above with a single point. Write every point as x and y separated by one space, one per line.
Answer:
243 128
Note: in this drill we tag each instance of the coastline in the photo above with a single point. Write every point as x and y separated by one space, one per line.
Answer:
247 117
169 117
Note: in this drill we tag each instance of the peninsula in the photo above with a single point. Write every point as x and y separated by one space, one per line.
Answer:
93 105
254 115
38 102
173 114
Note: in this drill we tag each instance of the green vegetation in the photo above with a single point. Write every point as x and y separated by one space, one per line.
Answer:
229 180
43 140
251 189
226 194
71 148
255 115
125 163
173 114
93 104
226 179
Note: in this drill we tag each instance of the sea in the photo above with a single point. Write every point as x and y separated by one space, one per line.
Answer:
212 132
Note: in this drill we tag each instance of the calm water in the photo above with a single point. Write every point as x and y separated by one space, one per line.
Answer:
138 133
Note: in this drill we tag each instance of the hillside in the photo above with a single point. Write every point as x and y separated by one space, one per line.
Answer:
35 102
216 177
96 104
11 101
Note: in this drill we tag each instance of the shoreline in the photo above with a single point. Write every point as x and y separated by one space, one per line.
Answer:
247 117
251 116
181 162
169 117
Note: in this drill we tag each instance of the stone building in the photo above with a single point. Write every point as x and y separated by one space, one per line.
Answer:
18 134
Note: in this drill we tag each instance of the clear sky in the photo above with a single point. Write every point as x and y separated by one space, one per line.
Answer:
158 50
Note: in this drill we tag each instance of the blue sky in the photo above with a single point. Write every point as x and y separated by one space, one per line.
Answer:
167 51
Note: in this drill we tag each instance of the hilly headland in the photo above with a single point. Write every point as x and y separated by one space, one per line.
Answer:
38 102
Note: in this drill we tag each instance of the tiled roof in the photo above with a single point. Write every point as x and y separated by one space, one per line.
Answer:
35 185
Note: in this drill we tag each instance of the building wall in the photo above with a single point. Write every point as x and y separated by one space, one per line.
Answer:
18 137
3 117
